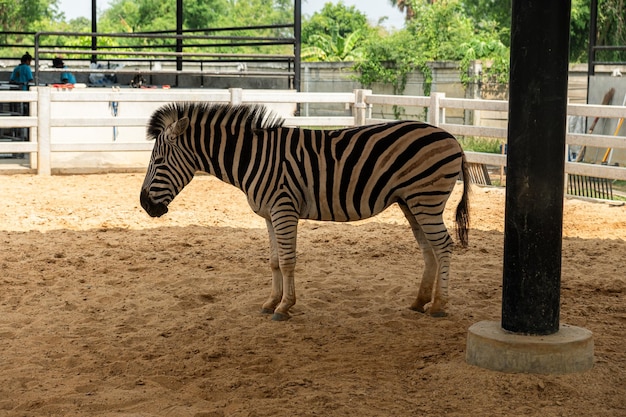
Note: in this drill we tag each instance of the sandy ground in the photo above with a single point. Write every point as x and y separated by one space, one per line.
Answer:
105 311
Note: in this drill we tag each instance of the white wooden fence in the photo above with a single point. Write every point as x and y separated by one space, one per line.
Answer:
41 119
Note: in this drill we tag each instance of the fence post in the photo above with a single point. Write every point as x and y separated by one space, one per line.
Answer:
307 77
435 113
360 107
565 174
34 132
236 96
43 131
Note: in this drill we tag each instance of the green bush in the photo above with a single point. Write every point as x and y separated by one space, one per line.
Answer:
479 144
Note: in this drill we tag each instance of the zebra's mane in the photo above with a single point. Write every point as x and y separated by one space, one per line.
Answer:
249 117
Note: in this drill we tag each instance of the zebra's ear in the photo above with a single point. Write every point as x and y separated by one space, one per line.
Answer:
176 129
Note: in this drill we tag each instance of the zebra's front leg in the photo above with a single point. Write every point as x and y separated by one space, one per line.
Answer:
283 229
286 227
277 277
281 313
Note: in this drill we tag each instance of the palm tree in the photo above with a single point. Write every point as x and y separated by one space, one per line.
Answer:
405 7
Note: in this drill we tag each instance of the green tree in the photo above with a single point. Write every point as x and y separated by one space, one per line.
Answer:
336 33
136 16
336 19
611 28
439 28
611 23
389 59
152 15
23 15
405 6
489 14
439 31
201 14
579 30
245 13
408 6
257 12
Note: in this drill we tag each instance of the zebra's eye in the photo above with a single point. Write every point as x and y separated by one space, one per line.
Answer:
159 160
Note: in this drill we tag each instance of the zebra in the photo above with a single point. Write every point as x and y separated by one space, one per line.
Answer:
288 174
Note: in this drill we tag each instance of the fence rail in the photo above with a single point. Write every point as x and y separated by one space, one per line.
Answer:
41 119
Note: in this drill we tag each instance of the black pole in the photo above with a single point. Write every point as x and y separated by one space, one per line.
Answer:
297 32
94 29
593 29
179 32
536 162
593 37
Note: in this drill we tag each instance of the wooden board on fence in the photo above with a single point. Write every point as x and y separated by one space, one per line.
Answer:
479 174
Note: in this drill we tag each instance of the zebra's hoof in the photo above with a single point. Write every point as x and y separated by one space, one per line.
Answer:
418 309
438 314
267 311
280 317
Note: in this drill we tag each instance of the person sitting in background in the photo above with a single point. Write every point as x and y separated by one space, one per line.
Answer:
22 74
66 77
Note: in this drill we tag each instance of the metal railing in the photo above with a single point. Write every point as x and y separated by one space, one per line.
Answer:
147 49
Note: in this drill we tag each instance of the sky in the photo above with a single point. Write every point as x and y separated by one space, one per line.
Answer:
374 9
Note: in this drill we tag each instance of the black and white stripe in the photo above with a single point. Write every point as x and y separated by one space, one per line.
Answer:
289 174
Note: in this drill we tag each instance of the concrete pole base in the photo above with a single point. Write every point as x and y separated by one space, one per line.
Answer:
568 350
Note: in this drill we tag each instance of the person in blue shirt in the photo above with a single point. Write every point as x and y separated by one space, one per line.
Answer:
66 77
22 74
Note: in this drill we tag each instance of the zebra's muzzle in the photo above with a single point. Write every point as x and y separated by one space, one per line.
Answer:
152 208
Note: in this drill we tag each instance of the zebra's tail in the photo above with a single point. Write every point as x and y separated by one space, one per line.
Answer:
462 210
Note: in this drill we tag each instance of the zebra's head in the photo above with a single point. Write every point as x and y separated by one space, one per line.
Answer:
171 166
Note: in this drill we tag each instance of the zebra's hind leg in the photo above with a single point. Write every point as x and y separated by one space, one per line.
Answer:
429 275
434 245
277 277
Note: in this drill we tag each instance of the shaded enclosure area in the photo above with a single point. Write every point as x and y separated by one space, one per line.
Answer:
105 311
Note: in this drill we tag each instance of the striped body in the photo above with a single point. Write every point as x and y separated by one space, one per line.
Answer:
289 174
